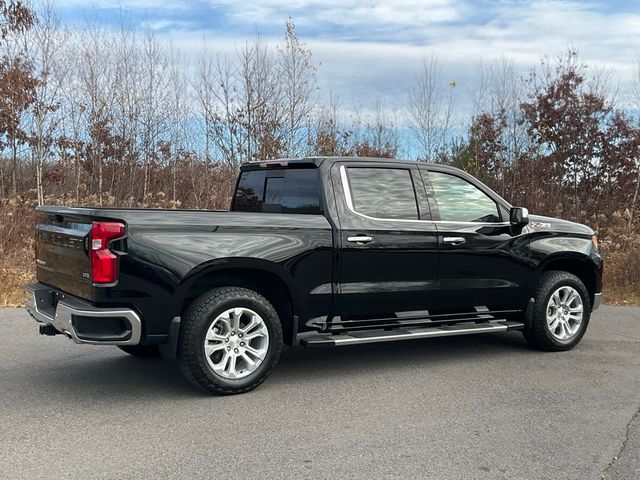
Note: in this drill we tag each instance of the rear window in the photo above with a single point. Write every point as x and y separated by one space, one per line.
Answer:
284 190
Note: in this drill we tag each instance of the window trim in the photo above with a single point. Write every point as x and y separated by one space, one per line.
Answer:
346 187
423 178
433 201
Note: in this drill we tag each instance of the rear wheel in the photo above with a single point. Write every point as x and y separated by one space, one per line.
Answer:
141 351
561 312
230 339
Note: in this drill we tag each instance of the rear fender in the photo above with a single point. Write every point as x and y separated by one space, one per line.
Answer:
267 278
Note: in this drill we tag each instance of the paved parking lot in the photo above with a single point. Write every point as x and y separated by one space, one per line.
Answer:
472 407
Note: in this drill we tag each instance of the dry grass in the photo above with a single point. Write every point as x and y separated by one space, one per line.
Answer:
626 297
12 281
17 262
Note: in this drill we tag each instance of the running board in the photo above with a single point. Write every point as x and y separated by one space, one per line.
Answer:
374 336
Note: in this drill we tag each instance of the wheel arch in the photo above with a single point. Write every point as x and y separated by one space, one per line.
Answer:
264 277
580 265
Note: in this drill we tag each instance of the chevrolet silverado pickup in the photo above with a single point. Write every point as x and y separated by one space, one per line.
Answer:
325 251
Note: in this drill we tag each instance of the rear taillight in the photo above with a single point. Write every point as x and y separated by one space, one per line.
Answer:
104 264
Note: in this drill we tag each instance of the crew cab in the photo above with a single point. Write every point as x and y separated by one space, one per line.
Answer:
323 251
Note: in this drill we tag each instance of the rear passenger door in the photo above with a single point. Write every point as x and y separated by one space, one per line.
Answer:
388 245
481 265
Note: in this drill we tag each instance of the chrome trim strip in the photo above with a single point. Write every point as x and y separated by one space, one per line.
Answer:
597 300
63 314
349 202
425 333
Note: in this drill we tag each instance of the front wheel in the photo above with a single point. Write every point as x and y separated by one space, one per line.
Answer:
230 339
561 312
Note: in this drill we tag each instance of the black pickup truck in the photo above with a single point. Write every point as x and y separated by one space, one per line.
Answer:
314 252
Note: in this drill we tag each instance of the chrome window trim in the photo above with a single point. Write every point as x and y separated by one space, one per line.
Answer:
349 201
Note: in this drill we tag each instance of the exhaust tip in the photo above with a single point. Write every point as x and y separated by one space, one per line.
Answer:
48 329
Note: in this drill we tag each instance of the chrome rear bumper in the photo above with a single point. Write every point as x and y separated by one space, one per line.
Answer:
68 314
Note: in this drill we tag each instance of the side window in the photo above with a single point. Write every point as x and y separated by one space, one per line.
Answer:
383 192
460 201
278 191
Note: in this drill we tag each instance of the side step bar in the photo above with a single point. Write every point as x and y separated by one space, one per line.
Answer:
374 336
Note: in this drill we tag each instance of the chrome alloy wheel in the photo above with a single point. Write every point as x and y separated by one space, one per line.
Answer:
236 343
564 313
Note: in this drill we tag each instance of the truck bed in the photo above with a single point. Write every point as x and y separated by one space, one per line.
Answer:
172 242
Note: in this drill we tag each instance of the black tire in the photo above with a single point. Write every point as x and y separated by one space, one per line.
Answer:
141 351
539 334
194 325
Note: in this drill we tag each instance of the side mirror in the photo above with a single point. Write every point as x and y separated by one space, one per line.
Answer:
518 218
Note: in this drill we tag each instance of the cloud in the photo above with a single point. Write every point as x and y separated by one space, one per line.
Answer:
346 12
373 49
165 5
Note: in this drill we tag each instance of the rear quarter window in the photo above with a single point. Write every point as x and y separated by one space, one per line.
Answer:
278 191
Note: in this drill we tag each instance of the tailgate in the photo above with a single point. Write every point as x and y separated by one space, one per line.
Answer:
62 256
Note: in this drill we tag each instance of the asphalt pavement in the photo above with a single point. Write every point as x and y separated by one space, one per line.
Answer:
474 407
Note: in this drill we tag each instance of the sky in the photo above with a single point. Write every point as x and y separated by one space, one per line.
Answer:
372 48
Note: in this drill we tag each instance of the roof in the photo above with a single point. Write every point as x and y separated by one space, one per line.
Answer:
319 160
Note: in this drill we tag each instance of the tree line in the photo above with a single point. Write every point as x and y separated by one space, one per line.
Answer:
118 113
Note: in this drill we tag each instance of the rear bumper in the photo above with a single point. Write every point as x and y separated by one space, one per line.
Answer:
81 321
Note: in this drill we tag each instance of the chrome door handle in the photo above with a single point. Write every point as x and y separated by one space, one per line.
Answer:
454 240
360 239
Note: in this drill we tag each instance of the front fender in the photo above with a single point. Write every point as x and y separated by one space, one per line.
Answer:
551 247
576 254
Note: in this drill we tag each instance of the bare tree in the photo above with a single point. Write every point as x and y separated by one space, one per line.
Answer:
17 97
210 78
374 133
154 101
499 95
71 121
635 95
261 112
430 108
327 138
127 109
477 90
96 78
46 50
178 113
241 100
299 83
384 127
